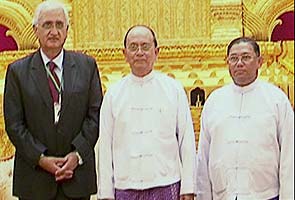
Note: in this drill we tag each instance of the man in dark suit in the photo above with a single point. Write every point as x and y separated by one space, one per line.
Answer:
52 100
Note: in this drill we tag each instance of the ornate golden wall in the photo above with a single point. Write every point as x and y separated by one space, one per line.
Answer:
174 21
103 23
192 34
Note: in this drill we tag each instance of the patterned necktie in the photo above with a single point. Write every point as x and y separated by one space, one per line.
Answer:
53 89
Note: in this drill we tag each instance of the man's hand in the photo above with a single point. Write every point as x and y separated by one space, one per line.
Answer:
51 164
67 169
187 197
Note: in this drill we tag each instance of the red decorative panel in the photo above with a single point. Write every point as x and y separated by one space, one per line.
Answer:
6 43
285 31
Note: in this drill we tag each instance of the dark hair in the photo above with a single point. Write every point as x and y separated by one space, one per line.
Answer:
239 40
150 29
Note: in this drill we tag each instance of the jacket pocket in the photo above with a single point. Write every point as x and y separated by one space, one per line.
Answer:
218 178
263 177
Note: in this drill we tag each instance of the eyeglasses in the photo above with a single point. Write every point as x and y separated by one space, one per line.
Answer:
244 59
133 47
49 25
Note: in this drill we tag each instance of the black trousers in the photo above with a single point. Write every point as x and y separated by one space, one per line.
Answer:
61 196
57 198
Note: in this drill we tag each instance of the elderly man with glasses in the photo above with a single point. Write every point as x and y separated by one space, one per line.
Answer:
246 147
147 143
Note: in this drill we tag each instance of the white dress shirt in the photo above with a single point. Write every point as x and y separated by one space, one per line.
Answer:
246 147
146 136
58 61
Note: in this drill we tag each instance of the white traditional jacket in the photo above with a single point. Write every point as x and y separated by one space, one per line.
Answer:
146 136
246 147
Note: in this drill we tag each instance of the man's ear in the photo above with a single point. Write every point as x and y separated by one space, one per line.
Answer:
226 60
157 50
124 53
260 61
35 28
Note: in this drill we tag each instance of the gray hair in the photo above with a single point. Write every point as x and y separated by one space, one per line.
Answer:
49 5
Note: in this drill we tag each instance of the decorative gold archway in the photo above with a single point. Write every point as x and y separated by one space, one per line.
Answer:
18 19
260 19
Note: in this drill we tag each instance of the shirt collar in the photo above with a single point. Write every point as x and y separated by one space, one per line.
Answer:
144 79
57 60
246 88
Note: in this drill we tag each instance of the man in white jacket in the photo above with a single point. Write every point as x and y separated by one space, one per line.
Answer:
147 143
246 147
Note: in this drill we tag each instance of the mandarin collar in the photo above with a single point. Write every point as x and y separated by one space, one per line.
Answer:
144 79
246 88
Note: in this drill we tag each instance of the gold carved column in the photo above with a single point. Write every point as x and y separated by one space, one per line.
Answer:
226 20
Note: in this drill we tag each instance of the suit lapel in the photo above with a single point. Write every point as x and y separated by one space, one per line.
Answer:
69 75
38 74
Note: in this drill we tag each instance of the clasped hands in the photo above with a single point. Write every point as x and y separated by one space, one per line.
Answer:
61 167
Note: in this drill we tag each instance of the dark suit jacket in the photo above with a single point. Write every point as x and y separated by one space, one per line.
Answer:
28 114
